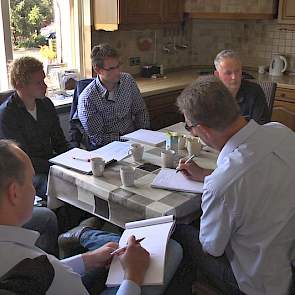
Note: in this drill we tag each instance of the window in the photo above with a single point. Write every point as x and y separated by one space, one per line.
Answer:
67 28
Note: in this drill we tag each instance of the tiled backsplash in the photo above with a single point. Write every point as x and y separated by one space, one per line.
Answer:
256 41
126 42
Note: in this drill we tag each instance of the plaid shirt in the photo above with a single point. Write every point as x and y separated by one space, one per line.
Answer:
106 117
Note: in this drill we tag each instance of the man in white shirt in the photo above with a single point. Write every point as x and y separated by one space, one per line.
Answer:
16 243
248 204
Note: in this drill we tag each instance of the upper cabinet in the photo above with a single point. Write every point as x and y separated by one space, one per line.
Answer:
286 12
112 15
228 9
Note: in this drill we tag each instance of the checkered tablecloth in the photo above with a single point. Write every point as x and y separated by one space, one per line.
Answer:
106 197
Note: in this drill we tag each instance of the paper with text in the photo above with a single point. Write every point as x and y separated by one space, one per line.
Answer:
156 232
170 180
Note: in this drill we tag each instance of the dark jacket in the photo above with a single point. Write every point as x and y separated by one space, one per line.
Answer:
41 139
252 102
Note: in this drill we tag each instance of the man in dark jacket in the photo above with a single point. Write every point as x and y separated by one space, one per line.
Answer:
29 118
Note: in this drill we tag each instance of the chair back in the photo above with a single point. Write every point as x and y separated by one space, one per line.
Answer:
77 133
269 89
4 95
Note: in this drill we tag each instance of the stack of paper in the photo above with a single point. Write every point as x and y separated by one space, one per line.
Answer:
79 159
170 180
154 138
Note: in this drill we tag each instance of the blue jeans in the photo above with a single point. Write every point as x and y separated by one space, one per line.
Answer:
44 221
40 184
94 239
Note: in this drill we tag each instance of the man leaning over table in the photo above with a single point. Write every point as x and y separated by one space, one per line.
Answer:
111 105
29 117
16 243
246 240
249 95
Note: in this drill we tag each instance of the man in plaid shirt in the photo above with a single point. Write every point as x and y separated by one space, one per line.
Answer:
111 105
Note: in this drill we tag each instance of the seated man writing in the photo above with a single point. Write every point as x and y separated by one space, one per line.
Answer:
16 243
249 95
111 105
29 117
246 238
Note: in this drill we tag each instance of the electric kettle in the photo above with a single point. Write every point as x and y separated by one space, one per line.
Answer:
278 65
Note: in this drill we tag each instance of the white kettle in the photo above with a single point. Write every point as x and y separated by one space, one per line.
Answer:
278 65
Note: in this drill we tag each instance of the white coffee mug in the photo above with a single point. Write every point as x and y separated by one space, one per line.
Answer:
261 69
167 157
136 150
193 146
97 166
181 142
127 174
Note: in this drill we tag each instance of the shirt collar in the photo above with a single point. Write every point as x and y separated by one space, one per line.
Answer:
102 90
16 234
236 140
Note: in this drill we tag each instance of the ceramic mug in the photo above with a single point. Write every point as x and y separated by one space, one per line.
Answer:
127 174
167 157
97 166
136 150
193 146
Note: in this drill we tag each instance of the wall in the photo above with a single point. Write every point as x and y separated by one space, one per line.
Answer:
256 41
127 42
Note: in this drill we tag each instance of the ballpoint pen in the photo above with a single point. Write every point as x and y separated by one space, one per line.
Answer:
125 247
81 159
187 161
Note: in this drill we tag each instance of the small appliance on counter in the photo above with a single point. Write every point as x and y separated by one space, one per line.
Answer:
278 65
148 70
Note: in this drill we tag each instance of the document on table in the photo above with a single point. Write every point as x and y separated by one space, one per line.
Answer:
156 233
79 159
154 138
170 180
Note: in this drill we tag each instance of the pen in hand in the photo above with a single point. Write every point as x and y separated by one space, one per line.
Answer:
186 162
119 250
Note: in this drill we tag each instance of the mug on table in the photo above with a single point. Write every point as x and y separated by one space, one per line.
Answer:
136 150
97 166
168 157
193 146
127 174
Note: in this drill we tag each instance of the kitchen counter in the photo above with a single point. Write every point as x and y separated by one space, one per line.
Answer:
180 79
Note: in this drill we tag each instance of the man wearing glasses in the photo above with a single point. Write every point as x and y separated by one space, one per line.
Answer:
246 239
111 105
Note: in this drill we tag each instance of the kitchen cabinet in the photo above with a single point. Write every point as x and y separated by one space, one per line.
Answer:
111 15
228 9
163 110
284 107
286 12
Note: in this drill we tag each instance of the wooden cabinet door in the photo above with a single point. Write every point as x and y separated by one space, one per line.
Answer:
140 12
284 107
163 110
173 11
286 12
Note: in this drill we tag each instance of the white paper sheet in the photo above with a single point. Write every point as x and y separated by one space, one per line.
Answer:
169 179
154 138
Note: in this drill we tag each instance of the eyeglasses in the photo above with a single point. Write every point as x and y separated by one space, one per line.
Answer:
114 67
189 128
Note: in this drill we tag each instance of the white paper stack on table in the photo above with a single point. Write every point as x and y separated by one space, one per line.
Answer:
79 159
156 232
154 138
168 179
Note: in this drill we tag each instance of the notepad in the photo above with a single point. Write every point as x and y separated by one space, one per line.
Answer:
170 180
115 150
154 138
156 232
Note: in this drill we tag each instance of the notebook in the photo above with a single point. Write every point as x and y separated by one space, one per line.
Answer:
154 138
168 179
79 159
156 233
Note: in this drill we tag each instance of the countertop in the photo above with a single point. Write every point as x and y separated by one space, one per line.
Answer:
179 80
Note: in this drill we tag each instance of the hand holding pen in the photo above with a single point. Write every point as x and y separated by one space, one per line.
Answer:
186 162
122 249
